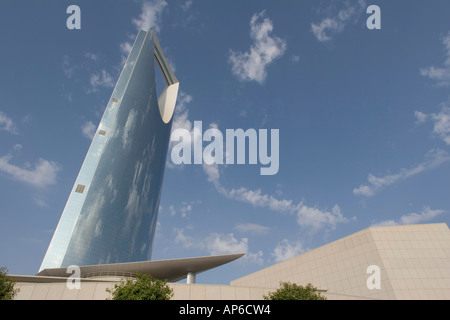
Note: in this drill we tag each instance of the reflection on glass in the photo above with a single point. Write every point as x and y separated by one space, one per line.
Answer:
114 219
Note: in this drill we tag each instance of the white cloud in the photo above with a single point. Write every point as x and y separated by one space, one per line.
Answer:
158 226
218 244
41 175
254 257
412 218
125 49
184 240
295 58
308 217
441 122
7 124
440 74
286 250
40 202
67 67
316 218
252 65
184 209
433 159
254 197
332 25
150 16
420 116
91 56
188 4
328 24
88 129
181 120
213 175
102 79
252 228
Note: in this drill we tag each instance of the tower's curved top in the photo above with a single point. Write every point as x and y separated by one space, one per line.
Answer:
168 98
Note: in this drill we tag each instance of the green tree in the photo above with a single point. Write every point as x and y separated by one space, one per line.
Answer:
143 287
7 291
292 291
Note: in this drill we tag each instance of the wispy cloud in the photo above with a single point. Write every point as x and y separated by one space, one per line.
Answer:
186 5
433 159
321 30
40 175
295 58
420 116
184 240
307 217
441 121
184 209
286 250
40 202
91 56
181 115
252 228
125 49
252 65
181 121
150 16
68 67
218 244
101 79
335 23
7 124
88 129
440 74
426 215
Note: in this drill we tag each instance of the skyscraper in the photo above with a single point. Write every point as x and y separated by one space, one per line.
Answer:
110 216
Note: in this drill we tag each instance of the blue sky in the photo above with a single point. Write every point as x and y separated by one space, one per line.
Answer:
364 120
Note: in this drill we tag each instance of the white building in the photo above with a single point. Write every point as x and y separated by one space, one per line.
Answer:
395 263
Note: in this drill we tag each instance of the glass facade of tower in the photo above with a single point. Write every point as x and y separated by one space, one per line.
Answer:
111 213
